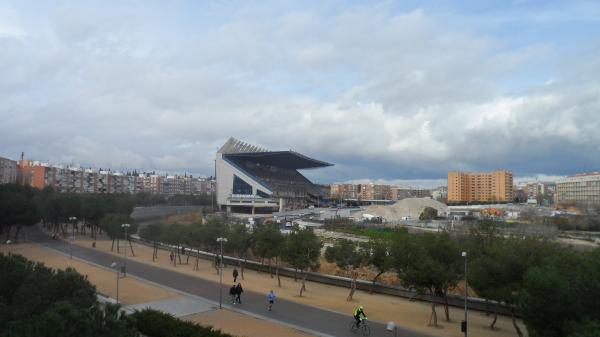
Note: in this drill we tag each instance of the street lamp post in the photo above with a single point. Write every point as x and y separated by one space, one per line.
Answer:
125 227
221 240
115 267
8 243
72 238
464 323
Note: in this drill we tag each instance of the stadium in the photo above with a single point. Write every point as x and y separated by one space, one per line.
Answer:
254 180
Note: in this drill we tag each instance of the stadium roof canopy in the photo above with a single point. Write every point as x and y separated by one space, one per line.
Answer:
236 149
285 159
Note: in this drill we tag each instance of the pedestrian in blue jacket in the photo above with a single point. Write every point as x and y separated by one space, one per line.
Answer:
271 299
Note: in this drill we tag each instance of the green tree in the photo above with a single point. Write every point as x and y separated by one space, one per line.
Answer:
38 301
345 254
112 225
376 253
560 296
268 243
239 242
428 263
429 213
302 251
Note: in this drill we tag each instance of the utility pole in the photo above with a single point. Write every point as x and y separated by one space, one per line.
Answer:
464 323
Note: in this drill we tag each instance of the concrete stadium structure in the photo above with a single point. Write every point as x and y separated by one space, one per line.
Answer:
253 180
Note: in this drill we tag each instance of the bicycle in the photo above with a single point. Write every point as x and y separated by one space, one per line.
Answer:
364 327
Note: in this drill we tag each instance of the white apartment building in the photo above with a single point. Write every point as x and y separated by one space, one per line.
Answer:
583 189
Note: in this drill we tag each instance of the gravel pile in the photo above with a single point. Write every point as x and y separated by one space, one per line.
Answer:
406 208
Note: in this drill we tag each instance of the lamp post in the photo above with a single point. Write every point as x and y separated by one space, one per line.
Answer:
8 243
72 219
125 227
115 267
221 240
464 323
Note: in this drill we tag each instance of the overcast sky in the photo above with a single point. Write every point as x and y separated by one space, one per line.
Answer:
386 91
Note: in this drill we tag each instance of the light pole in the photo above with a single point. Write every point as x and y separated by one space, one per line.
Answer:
125 227
72 238
8 243
464 323
115 267
221 240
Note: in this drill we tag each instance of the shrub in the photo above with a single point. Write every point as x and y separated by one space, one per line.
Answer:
154 323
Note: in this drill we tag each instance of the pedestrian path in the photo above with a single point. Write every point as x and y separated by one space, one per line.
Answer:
178 307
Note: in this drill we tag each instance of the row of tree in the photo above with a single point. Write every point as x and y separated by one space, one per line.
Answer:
552 287
25 206
300 249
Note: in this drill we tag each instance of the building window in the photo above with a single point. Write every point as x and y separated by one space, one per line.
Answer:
241 187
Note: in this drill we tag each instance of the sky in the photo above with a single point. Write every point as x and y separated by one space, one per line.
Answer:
389 91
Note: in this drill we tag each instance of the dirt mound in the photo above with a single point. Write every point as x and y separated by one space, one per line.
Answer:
409 208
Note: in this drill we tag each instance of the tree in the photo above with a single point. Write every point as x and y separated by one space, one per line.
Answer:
17 208
38 301
560 296
268 243
302 251
344 253
376 253
239 243
112 225
429 213
427 263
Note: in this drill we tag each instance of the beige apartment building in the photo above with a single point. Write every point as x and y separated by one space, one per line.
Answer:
496 186
343 191
582 189
374 192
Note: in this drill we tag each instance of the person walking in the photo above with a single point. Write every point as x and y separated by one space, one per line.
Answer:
235 275
232 293
238 293
271 298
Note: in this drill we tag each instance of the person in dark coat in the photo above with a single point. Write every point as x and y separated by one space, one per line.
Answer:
238 292
235 275
232 293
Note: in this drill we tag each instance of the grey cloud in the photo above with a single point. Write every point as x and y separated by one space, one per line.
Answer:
390 96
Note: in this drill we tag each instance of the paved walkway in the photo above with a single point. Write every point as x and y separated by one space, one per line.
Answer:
178 307
305 318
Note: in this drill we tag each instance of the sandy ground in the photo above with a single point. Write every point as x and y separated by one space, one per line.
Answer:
242 325
131 291
413 315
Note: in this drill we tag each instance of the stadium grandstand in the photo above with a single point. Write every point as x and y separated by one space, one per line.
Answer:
253 180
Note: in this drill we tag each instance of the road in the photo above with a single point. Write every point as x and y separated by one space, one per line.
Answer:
323 322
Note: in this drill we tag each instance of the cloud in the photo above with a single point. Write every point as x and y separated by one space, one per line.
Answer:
384 93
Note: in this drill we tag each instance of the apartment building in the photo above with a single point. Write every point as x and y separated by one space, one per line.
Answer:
79 180
8 171
343 191
399 193
582 189
374 192
496 186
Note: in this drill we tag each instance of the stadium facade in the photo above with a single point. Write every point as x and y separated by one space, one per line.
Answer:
253 180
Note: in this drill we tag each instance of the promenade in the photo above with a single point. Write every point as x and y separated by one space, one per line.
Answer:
322 311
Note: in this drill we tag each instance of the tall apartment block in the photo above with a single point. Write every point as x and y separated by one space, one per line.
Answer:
464 187
8 171
582 189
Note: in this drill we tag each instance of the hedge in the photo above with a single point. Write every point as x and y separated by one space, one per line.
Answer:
153 323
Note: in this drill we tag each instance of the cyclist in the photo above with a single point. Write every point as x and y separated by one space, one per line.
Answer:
359 310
